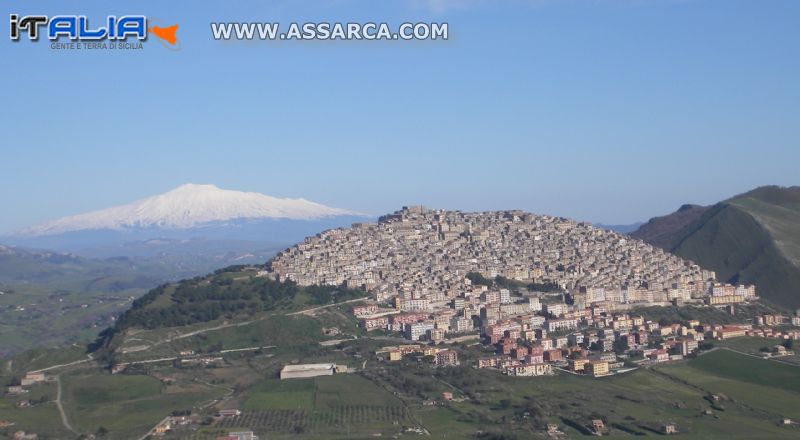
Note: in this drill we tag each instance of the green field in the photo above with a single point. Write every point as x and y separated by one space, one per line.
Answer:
740 368
276 394
53 300
41 418
640 402
754 383
126 405
321 407
44 316
753 395
319 393
95 390
749 345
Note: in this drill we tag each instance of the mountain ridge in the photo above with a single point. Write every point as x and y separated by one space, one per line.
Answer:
188 206
752 238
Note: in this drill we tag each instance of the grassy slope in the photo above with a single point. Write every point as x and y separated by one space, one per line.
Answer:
52 299
767 389
665 230
734 366
781 221
749 240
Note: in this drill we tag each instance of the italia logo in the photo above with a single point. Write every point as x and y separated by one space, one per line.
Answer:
77 28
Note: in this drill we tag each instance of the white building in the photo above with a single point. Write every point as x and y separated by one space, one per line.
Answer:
553 325
308 370
418 330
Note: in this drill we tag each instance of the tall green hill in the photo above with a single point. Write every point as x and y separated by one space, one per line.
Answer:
752 238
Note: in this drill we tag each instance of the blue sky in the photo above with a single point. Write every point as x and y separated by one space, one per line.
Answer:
606 110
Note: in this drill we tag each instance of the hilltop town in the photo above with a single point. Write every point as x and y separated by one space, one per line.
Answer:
420 258
539 289
439 262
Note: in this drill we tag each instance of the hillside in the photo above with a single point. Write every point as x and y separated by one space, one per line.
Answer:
50 298
234 293
96 263
33 266
665 230
752 238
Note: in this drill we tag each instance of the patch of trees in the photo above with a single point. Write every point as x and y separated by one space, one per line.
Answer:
148 297
495 436
462 377
231 269
669 315
706 345
577 426
321 295
545 287
620 346
204 299
184 314
627 428
512 284
479 280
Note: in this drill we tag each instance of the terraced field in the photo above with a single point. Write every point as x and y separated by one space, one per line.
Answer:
340 406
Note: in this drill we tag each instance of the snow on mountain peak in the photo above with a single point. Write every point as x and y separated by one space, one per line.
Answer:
190 205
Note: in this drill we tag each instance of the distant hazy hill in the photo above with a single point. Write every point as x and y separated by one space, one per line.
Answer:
622 229
52 299
22 266
751 238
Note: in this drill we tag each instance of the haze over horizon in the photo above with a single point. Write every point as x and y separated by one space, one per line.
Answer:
609 112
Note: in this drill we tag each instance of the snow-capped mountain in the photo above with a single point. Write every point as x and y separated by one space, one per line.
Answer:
190 206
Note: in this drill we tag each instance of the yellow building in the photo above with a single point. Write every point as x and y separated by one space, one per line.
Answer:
724 299
577 365
395 355
162 428
597 368
430 351
731 332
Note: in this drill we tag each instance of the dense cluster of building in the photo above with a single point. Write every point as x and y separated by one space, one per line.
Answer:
419 258
416 262
598 345
442 357
561 287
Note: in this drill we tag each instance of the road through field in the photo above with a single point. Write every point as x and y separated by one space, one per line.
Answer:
60 407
